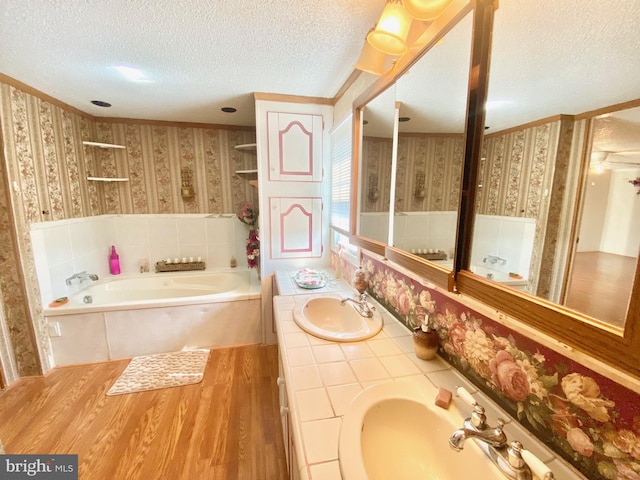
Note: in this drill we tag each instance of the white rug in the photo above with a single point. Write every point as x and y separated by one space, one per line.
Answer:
162 370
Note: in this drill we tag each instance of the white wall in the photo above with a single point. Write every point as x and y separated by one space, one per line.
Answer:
621 229
62 248
594 211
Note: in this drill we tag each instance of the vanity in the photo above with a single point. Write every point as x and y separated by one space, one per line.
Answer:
319 379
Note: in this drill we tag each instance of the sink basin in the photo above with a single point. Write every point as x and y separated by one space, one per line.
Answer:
324 317
394 430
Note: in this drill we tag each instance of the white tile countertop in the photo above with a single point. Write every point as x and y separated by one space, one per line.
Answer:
323 377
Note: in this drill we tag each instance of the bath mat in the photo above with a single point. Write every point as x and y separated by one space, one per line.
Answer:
162 370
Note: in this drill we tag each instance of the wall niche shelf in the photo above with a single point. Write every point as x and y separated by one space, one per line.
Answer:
102 145
107 179
246 147
251 174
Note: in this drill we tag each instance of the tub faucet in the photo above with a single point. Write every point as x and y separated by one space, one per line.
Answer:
493 259
81 277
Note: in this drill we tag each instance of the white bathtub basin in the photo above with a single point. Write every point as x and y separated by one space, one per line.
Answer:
394 431
326 318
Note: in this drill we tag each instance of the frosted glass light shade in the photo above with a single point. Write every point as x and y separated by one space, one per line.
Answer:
425 9
390 33
371 60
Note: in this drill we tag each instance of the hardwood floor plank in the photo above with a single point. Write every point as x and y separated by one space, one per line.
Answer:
226 427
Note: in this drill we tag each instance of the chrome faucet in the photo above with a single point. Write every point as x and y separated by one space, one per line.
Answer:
508 457
81 277
361 304
493 259
360 282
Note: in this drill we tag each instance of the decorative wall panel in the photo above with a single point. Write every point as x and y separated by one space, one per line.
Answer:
296 227
295 147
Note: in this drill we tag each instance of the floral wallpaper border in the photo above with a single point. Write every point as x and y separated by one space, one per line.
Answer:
591 421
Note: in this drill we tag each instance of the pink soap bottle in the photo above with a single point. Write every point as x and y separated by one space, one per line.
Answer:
114 262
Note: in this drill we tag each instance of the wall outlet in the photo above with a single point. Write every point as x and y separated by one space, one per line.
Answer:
54 329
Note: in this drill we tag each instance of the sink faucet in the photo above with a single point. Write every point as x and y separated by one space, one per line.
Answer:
360 282
508 457
81 277
361 304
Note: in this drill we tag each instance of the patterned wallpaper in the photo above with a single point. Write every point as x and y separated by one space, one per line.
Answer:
588 419
46 165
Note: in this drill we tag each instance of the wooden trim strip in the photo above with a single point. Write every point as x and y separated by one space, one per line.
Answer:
41 95
611 108
281 97
435 274
524 126
169 123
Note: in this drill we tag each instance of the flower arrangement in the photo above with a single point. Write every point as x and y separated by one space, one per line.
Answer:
636 183
253 249
248 215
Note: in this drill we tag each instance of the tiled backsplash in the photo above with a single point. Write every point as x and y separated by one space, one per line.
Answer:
64 247
588 419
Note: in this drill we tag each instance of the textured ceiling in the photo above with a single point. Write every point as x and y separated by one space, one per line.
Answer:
198 56
548 57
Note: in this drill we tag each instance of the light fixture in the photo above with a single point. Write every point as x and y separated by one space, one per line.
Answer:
132 74
420 191
390 33
101 103
371 60
425 10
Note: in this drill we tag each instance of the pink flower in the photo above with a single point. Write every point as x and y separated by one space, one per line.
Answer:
403 302
457 336
580 442
509 377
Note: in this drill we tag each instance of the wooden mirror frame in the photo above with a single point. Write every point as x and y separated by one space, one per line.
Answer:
620 349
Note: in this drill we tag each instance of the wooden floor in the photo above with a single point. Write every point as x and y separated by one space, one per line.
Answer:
601 285
226 427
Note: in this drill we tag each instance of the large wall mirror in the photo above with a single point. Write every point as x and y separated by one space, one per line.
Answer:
378 150
432 99
558 157
543 79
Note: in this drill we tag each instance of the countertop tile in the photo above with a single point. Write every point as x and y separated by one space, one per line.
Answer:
314 404
328 353
321 439
399 365
384 346
342 395
353 351
300 356
336 373
367 369
305 377
326 471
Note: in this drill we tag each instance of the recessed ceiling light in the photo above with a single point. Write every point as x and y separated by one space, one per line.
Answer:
228 109
100 103
404 119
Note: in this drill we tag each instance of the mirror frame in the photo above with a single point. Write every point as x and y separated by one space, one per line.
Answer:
574 331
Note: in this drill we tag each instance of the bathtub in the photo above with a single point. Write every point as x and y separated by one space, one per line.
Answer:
161 289
126 316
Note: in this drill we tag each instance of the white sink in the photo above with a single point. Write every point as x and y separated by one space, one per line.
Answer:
325 318
394 431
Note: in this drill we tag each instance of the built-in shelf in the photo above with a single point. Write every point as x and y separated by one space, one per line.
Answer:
102 145
246 147
107 179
